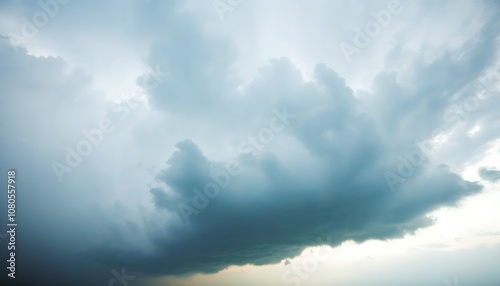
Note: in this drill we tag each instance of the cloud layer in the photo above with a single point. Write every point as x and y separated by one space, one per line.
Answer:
224 166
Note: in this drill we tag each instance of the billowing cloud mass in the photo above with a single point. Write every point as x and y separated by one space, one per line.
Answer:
220 166
328 179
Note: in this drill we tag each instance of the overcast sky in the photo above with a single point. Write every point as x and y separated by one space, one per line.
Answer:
238 142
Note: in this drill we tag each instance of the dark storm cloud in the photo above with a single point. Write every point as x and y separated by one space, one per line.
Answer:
273 210
43 101
280 203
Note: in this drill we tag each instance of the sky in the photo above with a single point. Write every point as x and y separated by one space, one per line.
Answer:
235 142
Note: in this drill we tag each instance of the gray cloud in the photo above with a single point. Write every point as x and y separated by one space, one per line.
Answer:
322 177
274 209
491 175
